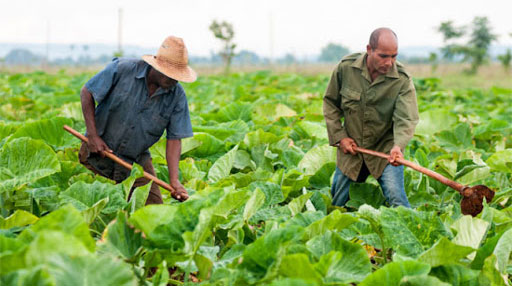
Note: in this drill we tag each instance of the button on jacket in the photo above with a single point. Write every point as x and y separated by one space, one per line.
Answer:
377 115
128 120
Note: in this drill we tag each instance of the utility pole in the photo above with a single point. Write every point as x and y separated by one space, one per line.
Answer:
120 32
271 36
47 51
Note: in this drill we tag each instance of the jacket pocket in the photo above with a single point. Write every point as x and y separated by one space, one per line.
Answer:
350 99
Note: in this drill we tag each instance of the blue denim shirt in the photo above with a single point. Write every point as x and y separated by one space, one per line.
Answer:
128 120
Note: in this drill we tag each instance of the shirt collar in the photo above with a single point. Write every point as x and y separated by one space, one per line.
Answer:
142 70
360 63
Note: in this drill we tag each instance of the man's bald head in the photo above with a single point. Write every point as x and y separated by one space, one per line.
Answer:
388 36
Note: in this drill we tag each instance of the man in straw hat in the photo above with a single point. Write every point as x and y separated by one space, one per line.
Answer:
376 97
136 101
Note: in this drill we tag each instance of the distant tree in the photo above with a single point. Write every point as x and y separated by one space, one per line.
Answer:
287 59
225 33
118 54
22 57
246 57
333 53
505 60
476 50
432 59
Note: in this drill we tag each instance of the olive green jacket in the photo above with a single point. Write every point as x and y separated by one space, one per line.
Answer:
377 115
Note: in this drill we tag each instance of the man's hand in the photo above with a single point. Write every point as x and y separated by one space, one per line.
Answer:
347 145
394 154
181 193
97 145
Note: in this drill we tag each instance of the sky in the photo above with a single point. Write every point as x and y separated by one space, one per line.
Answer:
268 27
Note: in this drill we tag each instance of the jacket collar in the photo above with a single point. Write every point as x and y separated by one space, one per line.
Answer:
360 63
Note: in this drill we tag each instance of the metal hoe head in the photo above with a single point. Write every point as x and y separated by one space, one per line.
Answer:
473 197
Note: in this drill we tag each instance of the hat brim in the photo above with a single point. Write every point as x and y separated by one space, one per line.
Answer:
182 73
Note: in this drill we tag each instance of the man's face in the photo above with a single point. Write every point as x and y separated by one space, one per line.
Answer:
383 57
164 81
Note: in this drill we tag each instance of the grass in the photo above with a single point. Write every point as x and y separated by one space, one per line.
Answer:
453 76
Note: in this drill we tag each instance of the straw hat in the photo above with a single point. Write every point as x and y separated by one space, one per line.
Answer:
172 60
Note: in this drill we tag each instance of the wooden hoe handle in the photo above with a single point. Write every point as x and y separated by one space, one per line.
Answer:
126 165
452 184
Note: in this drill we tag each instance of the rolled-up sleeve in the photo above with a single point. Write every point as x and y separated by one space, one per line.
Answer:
332 109
405 115
179 126
100 84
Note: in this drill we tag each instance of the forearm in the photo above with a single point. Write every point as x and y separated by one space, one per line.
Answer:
88 111
173 152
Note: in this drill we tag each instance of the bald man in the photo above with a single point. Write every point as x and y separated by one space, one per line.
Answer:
375 96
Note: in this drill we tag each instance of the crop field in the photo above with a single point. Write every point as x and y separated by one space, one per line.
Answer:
259 171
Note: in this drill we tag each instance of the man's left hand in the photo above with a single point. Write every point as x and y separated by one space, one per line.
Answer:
394 154
181 193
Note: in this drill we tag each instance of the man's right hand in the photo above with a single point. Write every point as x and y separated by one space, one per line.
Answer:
347 145
97 145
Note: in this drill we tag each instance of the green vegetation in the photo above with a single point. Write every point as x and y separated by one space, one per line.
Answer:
476 49
225 33
258 170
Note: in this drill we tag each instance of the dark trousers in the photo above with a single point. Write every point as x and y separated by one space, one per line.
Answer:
154 197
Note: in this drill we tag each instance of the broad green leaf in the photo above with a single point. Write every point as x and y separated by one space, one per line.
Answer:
66 219
17 219
234 111
123 237
243 160
297 204
259 137
207 218
365 193
298 266
470 232
158 150
392 273
209 145
432 121
151 216
222 167
83 196
490 275
139 197
37 276
49 243
503 250
410 232
459 137
256 200
334 221
322 177
90 214
316 157
89 270
309 129
25 160
339 259
422 280
456 274
7 129
291 282
48 130
444 252
501 161
233 131
262 253
273 193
